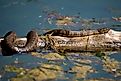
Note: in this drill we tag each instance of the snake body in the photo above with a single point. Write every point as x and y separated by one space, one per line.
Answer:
9 47
31 44
68 33
7 44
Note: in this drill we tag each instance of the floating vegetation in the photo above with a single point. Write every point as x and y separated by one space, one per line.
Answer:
53 56
20 71
43 72
66 21
81 71
56 18
52 67
79 67
112 66
100 54
84 61
79 58
36 54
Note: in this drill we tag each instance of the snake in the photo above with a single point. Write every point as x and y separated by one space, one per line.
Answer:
7 44
9 47
68 33
31 44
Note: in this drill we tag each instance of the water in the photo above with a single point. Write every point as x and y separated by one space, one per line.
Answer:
22 16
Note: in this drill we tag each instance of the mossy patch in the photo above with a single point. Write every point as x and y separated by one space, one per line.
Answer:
53 56
81 71
43 72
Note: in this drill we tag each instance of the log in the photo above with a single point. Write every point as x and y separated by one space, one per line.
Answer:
102 40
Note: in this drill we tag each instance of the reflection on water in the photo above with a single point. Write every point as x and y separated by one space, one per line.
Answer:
43 15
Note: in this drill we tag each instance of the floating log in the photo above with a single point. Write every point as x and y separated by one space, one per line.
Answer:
61 41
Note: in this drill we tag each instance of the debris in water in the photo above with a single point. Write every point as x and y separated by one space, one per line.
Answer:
112 66
16 61
53 56
117 18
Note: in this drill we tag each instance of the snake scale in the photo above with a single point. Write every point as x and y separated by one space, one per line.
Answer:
9 47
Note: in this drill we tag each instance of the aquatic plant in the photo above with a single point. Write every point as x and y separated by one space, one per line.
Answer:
53 56
112 66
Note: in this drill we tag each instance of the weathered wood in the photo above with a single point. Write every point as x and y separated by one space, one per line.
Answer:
102 41
110 41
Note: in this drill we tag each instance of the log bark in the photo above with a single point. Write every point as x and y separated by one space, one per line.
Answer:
110 41
107 41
